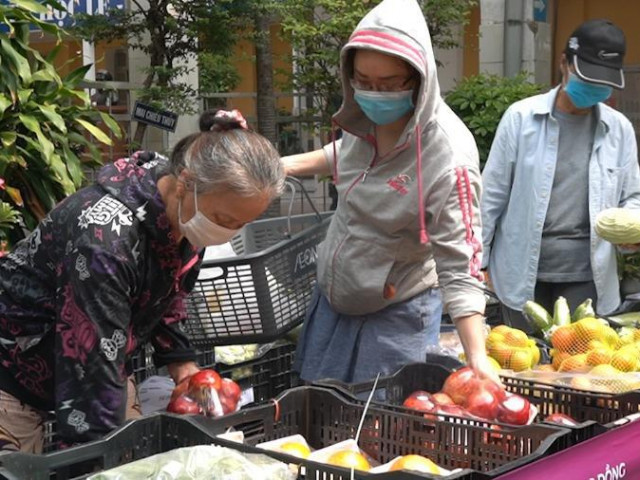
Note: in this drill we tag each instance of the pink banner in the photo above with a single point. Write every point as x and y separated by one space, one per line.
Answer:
611 456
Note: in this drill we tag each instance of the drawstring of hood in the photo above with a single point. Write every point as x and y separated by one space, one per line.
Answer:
334 125
424 236
397 28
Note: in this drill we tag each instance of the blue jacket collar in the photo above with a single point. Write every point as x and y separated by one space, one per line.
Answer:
546 101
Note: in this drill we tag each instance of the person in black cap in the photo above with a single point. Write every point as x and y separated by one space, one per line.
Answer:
557 160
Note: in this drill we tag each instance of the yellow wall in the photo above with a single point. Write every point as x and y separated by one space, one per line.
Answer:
571 13
245 64
471 52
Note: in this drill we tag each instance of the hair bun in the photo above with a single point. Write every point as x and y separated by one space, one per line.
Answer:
228 120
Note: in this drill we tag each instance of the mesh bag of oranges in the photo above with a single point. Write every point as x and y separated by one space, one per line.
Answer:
512 349
588 354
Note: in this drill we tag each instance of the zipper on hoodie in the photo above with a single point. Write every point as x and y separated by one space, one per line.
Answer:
361 178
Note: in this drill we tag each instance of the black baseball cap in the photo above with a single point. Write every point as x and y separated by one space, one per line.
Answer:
598 48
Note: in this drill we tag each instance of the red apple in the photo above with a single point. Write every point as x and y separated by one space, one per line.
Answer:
498 391
562 420
454 410
442 398
183 405
181 389
460 384
230 389
205 379
483 404
514 410
420 400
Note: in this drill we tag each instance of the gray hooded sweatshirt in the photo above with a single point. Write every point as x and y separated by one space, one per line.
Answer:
408 220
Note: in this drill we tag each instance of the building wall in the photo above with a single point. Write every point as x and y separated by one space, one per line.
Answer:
245 63
571 13
535 39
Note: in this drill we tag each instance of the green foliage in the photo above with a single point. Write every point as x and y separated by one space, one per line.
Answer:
317 29
629 265
46 121
170 32
217 74
481 100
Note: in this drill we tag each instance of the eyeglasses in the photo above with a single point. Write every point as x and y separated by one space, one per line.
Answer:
382 87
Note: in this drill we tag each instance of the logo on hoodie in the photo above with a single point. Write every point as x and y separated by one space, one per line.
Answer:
399 183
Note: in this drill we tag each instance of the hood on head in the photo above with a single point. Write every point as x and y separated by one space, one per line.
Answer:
398 28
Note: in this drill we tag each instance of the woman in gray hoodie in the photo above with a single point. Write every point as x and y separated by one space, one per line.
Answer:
405 240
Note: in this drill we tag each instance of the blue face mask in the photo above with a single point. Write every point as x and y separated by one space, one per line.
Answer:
383 108
585 95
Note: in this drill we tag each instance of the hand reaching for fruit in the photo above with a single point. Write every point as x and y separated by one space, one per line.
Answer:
483 368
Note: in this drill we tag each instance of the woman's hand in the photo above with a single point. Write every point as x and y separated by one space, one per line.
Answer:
180 371
472 333
483 369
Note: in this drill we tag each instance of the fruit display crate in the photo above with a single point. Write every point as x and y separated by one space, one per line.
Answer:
324 417
265 376
262 292
137 439
597 412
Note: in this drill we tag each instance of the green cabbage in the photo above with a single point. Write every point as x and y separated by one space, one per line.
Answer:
619 225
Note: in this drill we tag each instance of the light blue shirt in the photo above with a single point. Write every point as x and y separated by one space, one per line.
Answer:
518 178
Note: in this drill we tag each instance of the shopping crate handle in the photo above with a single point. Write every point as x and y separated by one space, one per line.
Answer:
291 182
206 275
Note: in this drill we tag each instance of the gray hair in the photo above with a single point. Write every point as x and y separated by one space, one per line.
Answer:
238 160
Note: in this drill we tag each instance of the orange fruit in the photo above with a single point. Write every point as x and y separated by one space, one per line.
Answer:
349 459
297 449
605 371
575 363
588 329
535 355
558 358
494 338
599 356
519 360
501 352
415 463
501 329
610 336
564 339
545 368
625 360
516 338
581 383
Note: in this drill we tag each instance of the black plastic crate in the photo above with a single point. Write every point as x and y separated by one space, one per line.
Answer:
135 440
264 291
324 417
268 375
595 411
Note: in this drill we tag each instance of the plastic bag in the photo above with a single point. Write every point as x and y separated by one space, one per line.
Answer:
204 462
599 383
234 354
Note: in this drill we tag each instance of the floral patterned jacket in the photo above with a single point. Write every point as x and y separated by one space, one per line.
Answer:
99 277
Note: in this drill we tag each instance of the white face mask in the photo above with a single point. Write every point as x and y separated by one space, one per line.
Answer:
200 231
